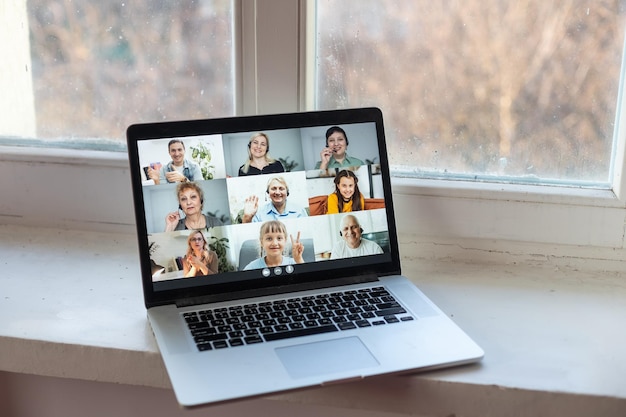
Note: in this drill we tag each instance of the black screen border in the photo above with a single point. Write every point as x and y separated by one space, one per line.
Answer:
349 269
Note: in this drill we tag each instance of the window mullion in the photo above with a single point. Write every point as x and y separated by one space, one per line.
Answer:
271 44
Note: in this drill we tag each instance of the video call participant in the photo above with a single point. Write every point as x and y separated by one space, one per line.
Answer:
334 155
273 239
352 244
190 201
277 208
178 169
199 259
346 197
259 161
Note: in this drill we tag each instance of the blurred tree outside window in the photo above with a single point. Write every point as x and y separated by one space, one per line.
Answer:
520 91
101 65
480 89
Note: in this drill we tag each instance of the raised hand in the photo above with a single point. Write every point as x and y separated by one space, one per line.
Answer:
171 221
325 157
250 206
297 249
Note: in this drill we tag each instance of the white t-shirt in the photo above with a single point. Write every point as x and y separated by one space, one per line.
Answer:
367 247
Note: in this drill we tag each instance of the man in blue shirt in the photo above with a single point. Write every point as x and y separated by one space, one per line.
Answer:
276 209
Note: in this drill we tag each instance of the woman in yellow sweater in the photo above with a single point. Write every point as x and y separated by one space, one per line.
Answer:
347 196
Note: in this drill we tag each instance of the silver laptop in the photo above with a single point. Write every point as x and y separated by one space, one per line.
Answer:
269 256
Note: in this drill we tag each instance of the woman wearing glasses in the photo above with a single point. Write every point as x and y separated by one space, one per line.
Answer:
199 259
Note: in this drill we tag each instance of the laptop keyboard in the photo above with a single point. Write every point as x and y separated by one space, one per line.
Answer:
240 325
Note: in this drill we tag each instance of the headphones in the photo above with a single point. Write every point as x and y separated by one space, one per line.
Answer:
360 228
334 129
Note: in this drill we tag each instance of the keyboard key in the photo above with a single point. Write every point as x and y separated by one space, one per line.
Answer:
198 325
300 332
221 344
346 326
390 311
191 317
253 339
210 338
203 332
387 305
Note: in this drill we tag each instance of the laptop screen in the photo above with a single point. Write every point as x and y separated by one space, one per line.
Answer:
245 203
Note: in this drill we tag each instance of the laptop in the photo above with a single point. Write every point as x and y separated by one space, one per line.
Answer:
269 256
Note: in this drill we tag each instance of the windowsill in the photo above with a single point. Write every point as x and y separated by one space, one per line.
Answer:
89 190
551 326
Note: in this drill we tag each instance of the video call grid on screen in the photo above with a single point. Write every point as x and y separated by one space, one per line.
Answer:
226 192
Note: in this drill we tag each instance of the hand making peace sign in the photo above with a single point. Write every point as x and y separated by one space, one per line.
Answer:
297 249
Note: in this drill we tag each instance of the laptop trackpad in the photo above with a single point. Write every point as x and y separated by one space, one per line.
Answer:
319 358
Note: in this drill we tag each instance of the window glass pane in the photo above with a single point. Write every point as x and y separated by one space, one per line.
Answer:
100 65
521 91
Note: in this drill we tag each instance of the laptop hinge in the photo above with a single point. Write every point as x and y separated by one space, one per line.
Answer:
283 289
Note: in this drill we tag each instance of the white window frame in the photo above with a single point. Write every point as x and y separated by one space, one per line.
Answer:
54 187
